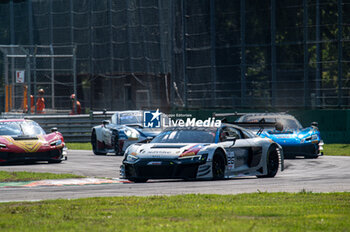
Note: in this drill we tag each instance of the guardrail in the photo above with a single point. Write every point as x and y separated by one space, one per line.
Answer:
74 128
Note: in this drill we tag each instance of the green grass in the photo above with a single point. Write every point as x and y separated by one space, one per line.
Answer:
28 176
79 146
244 212
337 149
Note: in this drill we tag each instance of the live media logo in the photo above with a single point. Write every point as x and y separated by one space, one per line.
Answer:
152 119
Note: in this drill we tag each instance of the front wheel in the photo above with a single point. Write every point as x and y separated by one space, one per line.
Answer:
272 163
117 149
94 144
218 167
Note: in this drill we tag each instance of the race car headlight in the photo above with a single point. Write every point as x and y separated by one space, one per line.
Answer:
313 137
131 158
202 157
309 138
2 145
132 134
56 143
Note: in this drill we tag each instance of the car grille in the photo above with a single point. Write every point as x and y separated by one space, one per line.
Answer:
161 171
9 156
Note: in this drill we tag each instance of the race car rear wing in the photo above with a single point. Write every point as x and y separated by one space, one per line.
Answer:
228 114
254 124
261 124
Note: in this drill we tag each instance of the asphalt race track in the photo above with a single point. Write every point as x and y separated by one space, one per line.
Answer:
325 174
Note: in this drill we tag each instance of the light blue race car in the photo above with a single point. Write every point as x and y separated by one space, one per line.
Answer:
285 130
288 132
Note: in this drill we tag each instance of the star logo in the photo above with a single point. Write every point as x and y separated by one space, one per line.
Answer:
152 119
155 115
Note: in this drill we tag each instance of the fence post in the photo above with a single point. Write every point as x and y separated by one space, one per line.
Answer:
184 63
306 54
340 53
35 86
318 54
273 54
212 50
52 76
29 82
243 54
75 79
6 72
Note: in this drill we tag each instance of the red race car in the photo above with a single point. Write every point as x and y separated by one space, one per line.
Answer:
23 140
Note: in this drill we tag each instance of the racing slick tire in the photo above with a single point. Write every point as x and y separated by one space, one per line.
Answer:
218 166
94 144
313 155
272 163
117 150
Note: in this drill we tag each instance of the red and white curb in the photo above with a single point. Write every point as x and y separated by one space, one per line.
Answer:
63 182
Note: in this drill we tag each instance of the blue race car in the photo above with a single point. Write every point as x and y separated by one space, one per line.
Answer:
124 129
287 131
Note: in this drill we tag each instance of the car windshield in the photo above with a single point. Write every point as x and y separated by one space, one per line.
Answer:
130 118
22 128
136 119
186 136
288 123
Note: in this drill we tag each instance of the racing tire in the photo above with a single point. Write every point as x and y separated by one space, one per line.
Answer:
117 151
313 155
94 144
218 166
139 180
272 163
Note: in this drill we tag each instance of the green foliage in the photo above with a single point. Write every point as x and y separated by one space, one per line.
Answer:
27 176
304 211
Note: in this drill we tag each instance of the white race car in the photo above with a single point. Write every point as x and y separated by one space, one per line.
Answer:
202 153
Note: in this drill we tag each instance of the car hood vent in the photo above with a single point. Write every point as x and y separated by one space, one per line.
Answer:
168 146
280 132
24 138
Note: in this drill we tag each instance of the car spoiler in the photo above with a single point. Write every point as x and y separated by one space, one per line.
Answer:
254 124
262 123
228 114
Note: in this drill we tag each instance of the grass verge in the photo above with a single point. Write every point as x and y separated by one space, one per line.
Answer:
28 176
244 212
337 149
79 146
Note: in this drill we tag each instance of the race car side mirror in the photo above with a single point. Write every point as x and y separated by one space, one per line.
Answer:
149 139
53 129
105 122
232 139
279 126
315 124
